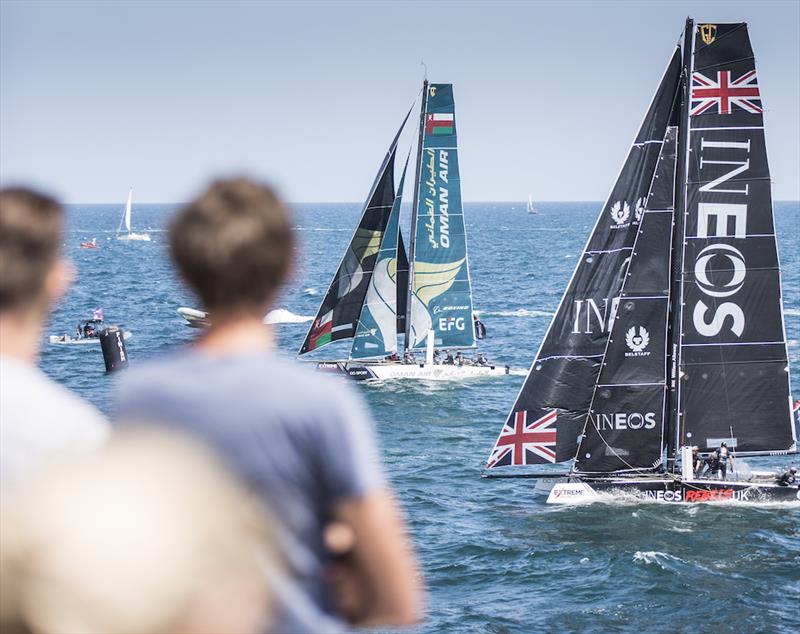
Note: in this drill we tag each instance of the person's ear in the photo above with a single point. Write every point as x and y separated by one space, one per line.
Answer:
59 279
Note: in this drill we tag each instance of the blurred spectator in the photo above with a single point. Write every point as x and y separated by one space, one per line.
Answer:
146 535
38 418
302 440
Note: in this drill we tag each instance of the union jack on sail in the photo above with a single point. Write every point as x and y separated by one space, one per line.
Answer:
724 93
521 439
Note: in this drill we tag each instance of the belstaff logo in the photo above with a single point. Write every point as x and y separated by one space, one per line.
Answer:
638 210
708 32
637 342
620 212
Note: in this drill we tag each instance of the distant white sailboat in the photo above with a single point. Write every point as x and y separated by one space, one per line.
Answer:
531 207
126 221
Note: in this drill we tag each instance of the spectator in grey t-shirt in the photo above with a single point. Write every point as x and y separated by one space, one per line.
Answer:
303 441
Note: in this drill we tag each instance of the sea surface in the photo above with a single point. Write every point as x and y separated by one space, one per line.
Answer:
495 557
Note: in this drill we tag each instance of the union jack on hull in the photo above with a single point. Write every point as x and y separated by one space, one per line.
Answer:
725 94
522 443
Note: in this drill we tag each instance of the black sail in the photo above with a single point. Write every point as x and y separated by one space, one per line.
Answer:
550 410
338 314
734 380
402 283
626 422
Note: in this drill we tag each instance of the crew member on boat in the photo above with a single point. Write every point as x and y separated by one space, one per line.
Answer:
724 456
788 477
711 465
697 463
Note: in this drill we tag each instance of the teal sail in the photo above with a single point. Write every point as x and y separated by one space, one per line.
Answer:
376 333
441 295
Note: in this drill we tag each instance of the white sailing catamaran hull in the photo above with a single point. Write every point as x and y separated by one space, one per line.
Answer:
669 490
360 371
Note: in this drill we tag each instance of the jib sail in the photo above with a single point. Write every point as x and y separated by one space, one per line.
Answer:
734 375
626 421
441 297
376 334
338 314
550 411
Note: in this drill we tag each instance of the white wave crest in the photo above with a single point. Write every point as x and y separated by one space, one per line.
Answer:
794 312
310 291
662 560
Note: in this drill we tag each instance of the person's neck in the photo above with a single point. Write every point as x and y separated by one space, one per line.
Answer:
20 336
236 335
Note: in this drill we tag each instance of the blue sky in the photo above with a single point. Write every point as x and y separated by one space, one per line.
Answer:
97 96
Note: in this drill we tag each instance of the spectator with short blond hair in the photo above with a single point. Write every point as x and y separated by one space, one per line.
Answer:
148 534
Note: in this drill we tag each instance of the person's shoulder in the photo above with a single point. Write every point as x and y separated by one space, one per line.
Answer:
27 387
316 386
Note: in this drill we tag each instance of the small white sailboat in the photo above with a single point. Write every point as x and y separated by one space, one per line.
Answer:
531 207
126 221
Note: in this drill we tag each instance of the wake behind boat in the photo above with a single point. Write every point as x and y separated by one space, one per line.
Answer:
378 292
668 349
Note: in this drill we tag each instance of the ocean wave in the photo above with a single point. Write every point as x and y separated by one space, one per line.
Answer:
519 312
793 312
662 560
310 291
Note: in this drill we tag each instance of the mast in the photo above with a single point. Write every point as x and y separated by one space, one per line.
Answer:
415 202
678 240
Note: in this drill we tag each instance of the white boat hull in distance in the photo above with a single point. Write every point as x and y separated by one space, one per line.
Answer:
200 319
391 370
68 340
670 491
134 237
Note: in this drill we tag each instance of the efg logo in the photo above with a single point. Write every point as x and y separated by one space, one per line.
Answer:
620 212
637 342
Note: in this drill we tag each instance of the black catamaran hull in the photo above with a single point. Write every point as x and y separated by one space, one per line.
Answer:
360 371
669 490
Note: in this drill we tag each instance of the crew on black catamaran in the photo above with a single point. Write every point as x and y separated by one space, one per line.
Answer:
788 477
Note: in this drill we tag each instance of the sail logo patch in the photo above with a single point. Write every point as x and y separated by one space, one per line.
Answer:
725 93
708 32
620 212
623 421
521 442
440 123
637 342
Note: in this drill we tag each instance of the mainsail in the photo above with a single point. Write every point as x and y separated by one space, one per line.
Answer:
128 205
734 374
625 426
441 295
550 411
376 334
337 317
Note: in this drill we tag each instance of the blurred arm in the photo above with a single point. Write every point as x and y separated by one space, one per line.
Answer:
381 565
